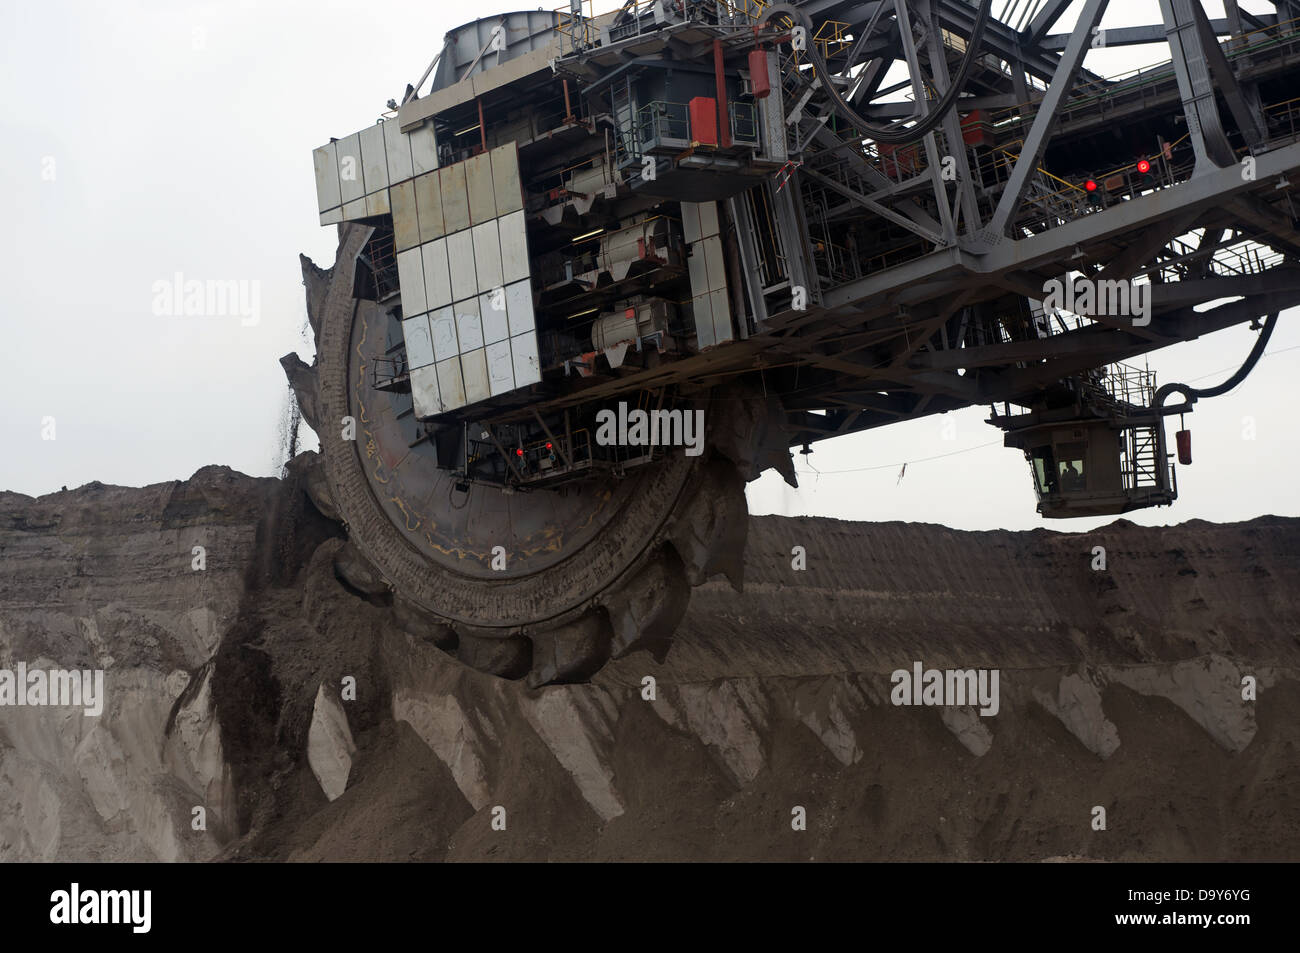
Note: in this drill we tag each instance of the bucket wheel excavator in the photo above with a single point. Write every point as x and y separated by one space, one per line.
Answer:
542 563
611 266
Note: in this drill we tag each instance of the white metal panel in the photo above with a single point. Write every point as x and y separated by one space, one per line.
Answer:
698 269
460 259
374 163
469 325
398 149
419 342
519 307
424 149
691 222
443 325
351 184
437 279
377 203
450 384
708 219
500 367
478 185
406 225
325 160
424 391
455 200
474 367
428 203
523 349
514 247
410 276
721 316
332 217
715 264
492 306
703 310
505 178
487 256
355 211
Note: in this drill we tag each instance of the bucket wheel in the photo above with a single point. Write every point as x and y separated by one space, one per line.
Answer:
547 584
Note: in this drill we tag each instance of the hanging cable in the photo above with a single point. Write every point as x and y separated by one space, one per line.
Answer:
1193 394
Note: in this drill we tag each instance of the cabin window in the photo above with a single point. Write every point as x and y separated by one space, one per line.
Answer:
1044 470
1070 471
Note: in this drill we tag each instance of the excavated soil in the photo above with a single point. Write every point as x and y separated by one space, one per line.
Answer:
310 726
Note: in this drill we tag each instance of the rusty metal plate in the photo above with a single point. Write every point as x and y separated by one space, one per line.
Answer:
455 201
428 204
478 186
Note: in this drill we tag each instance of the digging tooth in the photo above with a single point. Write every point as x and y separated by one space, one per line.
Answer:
750 430
424 624
783 462
317 281
735 413
709 532
306 389
359 572
572 652
645 611
311 471
508 657
773 443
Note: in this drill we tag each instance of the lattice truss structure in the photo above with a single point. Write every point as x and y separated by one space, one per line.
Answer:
861 203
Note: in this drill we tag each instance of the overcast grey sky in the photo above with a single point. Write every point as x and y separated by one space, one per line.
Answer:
139 140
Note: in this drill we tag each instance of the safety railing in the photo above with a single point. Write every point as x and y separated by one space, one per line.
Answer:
546 458
577 27
744 123
658 120
380 254
833 37
742 11
1283 120
632 19
1127 384
1241 259
386 372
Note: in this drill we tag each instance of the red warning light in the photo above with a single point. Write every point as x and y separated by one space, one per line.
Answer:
519 452
1091 185
1143 166
548 445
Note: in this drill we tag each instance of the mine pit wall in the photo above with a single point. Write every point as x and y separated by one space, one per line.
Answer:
1121 691
1118 688
102 577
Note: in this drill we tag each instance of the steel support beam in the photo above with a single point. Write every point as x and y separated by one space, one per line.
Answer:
1195 85
1046 119
887 213
1133 35
1043 21
1245 109
1147 243
966 204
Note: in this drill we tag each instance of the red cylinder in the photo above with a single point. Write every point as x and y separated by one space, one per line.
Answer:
1185 447
975 129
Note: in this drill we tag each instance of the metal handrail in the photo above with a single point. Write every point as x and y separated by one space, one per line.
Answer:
654 116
